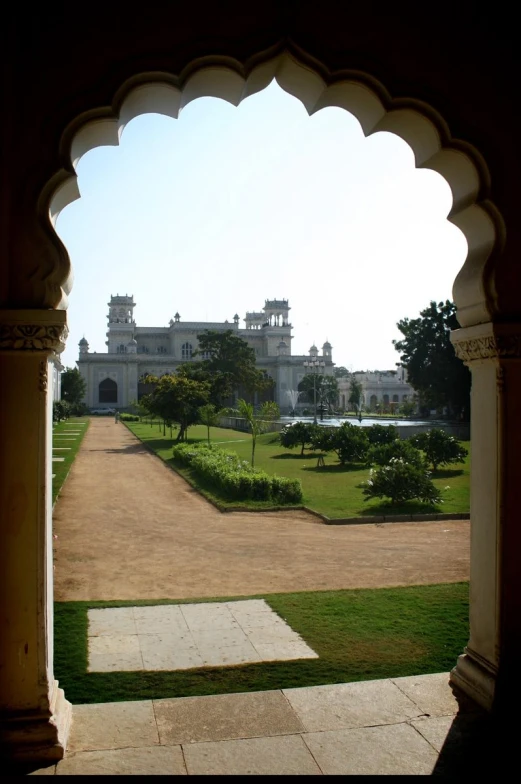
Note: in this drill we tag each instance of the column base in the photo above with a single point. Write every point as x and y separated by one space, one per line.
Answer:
36 739
473 677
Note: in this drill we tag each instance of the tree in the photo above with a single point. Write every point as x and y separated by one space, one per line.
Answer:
355 394
73 386
258 421
60 410
382 454
439 447
434 370
178 399
298 434
324 387
230 364
341 372
209 416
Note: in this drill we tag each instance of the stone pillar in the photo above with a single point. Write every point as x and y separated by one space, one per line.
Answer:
34 715
488 671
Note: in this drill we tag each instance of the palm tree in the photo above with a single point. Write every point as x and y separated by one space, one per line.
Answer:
258 422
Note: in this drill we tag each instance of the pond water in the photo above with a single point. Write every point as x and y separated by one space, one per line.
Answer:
366 421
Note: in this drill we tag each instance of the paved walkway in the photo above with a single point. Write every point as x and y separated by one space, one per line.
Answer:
400 726
128 527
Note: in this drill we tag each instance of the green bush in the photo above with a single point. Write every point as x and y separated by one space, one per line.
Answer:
129 417
382 454
439 447
382 434
400 481
235 477
60 410
349 441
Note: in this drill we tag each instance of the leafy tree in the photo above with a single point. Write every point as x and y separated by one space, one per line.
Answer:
349 441
382 434
73 386
401 481
433 369
230 363
382 454
210 416
259 421
178 399
355 394
439 447
341 372
299 434
328 392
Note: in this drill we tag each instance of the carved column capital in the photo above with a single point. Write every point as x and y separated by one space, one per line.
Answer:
33 330
487 341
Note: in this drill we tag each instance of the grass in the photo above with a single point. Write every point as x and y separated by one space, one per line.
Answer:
61 469
330 490
358 635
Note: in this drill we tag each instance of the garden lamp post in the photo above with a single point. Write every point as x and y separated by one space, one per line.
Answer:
314 363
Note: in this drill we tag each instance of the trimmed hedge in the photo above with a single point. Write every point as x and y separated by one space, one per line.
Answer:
129 417
235 477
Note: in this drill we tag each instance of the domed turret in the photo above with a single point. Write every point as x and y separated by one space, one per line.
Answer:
132 346
282 348
84 346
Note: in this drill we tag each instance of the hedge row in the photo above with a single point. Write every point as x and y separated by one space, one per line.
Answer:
235 477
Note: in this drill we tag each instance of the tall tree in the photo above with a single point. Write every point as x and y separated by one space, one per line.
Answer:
178 399
230 363
73 386
355 394
341 372
433 369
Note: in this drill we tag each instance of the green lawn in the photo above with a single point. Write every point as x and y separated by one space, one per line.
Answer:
330 490
358 635
61 469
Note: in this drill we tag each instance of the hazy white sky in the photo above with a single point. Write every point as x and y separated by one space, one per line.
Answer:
227 206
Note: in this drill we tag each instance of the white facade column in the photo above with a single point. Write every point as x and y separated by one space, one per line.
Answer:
34 715
488 671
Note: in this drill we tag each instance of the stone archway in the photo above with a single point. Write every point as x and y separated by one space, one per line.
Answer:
132 75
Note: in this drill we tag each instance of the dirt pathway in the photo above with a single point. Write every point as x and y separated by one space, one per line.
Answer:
129 528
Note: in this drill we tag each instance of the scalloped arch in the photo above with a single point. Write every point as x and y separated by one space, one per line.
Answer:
416 122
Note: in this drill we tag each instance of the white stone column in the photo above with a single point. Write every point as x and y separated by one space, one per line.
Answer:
488 670
34 715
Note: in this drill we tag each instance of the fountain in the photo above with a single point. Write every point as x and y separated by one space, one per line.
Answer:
293 395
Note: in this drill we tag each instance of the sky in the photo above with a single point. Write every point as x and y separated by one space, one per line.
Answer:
215 212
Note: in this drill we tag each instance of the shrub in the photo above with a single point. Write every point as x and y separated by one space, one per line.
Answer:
400 481
235 477
60 410
382 454
439 447
349 441
382 434
129 417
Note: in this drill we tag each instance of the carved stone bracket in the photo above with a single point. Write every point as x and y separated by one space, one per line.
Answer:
487 341
33 330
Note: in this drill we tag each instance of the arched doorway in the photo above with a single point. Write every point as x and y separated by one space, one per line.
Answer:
102 87
108 391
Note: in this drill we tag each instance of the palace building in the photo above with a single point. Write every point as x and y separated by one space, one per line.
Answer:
134 352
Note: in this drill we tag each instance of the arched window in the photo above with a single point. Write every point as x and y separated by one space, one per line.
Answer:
396 399
108 391
186 351
386 400
121 349
404 398
372 402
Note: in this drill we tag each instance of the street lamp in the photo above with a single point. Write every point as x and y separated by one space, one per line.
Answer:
314 363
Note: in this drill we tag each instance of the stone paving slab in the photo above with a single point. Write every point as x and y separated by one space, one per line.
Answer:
151 761
282 756
188 636
391 750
